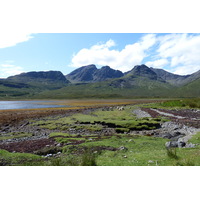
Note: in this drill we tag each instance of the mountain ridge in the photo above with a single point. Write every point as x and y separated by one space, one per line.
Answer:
90 82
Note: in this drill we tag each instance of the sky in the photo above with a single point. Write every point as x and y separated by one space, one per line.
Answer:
174 52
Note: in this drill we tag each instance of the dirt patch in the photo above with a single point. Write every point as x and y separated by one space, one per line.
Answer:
27 146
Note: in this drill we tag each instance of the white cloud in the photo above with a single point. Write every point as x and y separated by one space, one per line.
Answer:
184 70
9 70
161 63
8 39
124 60
183 51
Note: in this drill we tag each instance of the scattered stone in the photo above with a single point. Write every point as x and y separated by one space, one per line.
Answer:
140 114
150 161
122 148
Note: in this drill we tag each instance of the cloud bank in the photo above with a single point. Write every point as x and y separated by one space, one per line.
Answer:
102 54
13 38
177 53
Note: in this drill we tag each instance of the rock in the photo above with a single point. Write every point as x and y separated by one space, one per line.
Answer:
190 145
175 133
174 144
121 108
167 135
125 156
140 114
171 144
181 144
49 155
150 161
122 148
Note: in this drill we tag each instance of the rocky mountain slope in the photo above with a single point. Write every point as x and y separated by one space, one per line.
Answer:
90 73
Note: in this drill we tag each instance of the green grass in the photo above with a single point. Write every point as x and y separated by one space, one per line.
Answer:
19 159
195 139
121 119
138 151
56 134
181 103
141 151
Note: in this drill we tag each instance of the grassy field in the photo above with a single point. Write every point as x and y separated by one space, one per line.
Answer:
117 150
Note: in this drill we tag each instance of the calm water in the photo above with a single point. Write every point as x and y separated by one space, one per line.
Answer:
5 105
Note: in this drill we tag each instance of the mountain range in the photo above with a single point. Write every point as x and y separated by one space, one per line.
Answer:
90 82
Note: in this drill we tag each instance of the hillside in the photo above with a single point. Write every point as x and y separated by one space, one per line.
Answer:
175 79
191 89
28 85
171 78
50 79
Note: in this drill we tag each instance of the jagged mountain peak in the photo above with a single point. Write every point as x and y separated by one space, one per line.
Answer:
143 70
90 73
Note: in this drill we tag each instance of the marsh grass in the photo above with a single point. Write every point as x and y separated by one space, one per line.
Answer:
123 121
18 159
88 158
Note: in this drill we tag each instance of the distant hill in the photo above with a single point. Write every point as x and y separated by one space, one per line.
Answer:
49 79
191 89
90 74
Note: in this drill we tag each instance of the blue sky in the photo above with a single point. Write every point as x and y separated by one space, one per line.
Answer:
177 53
